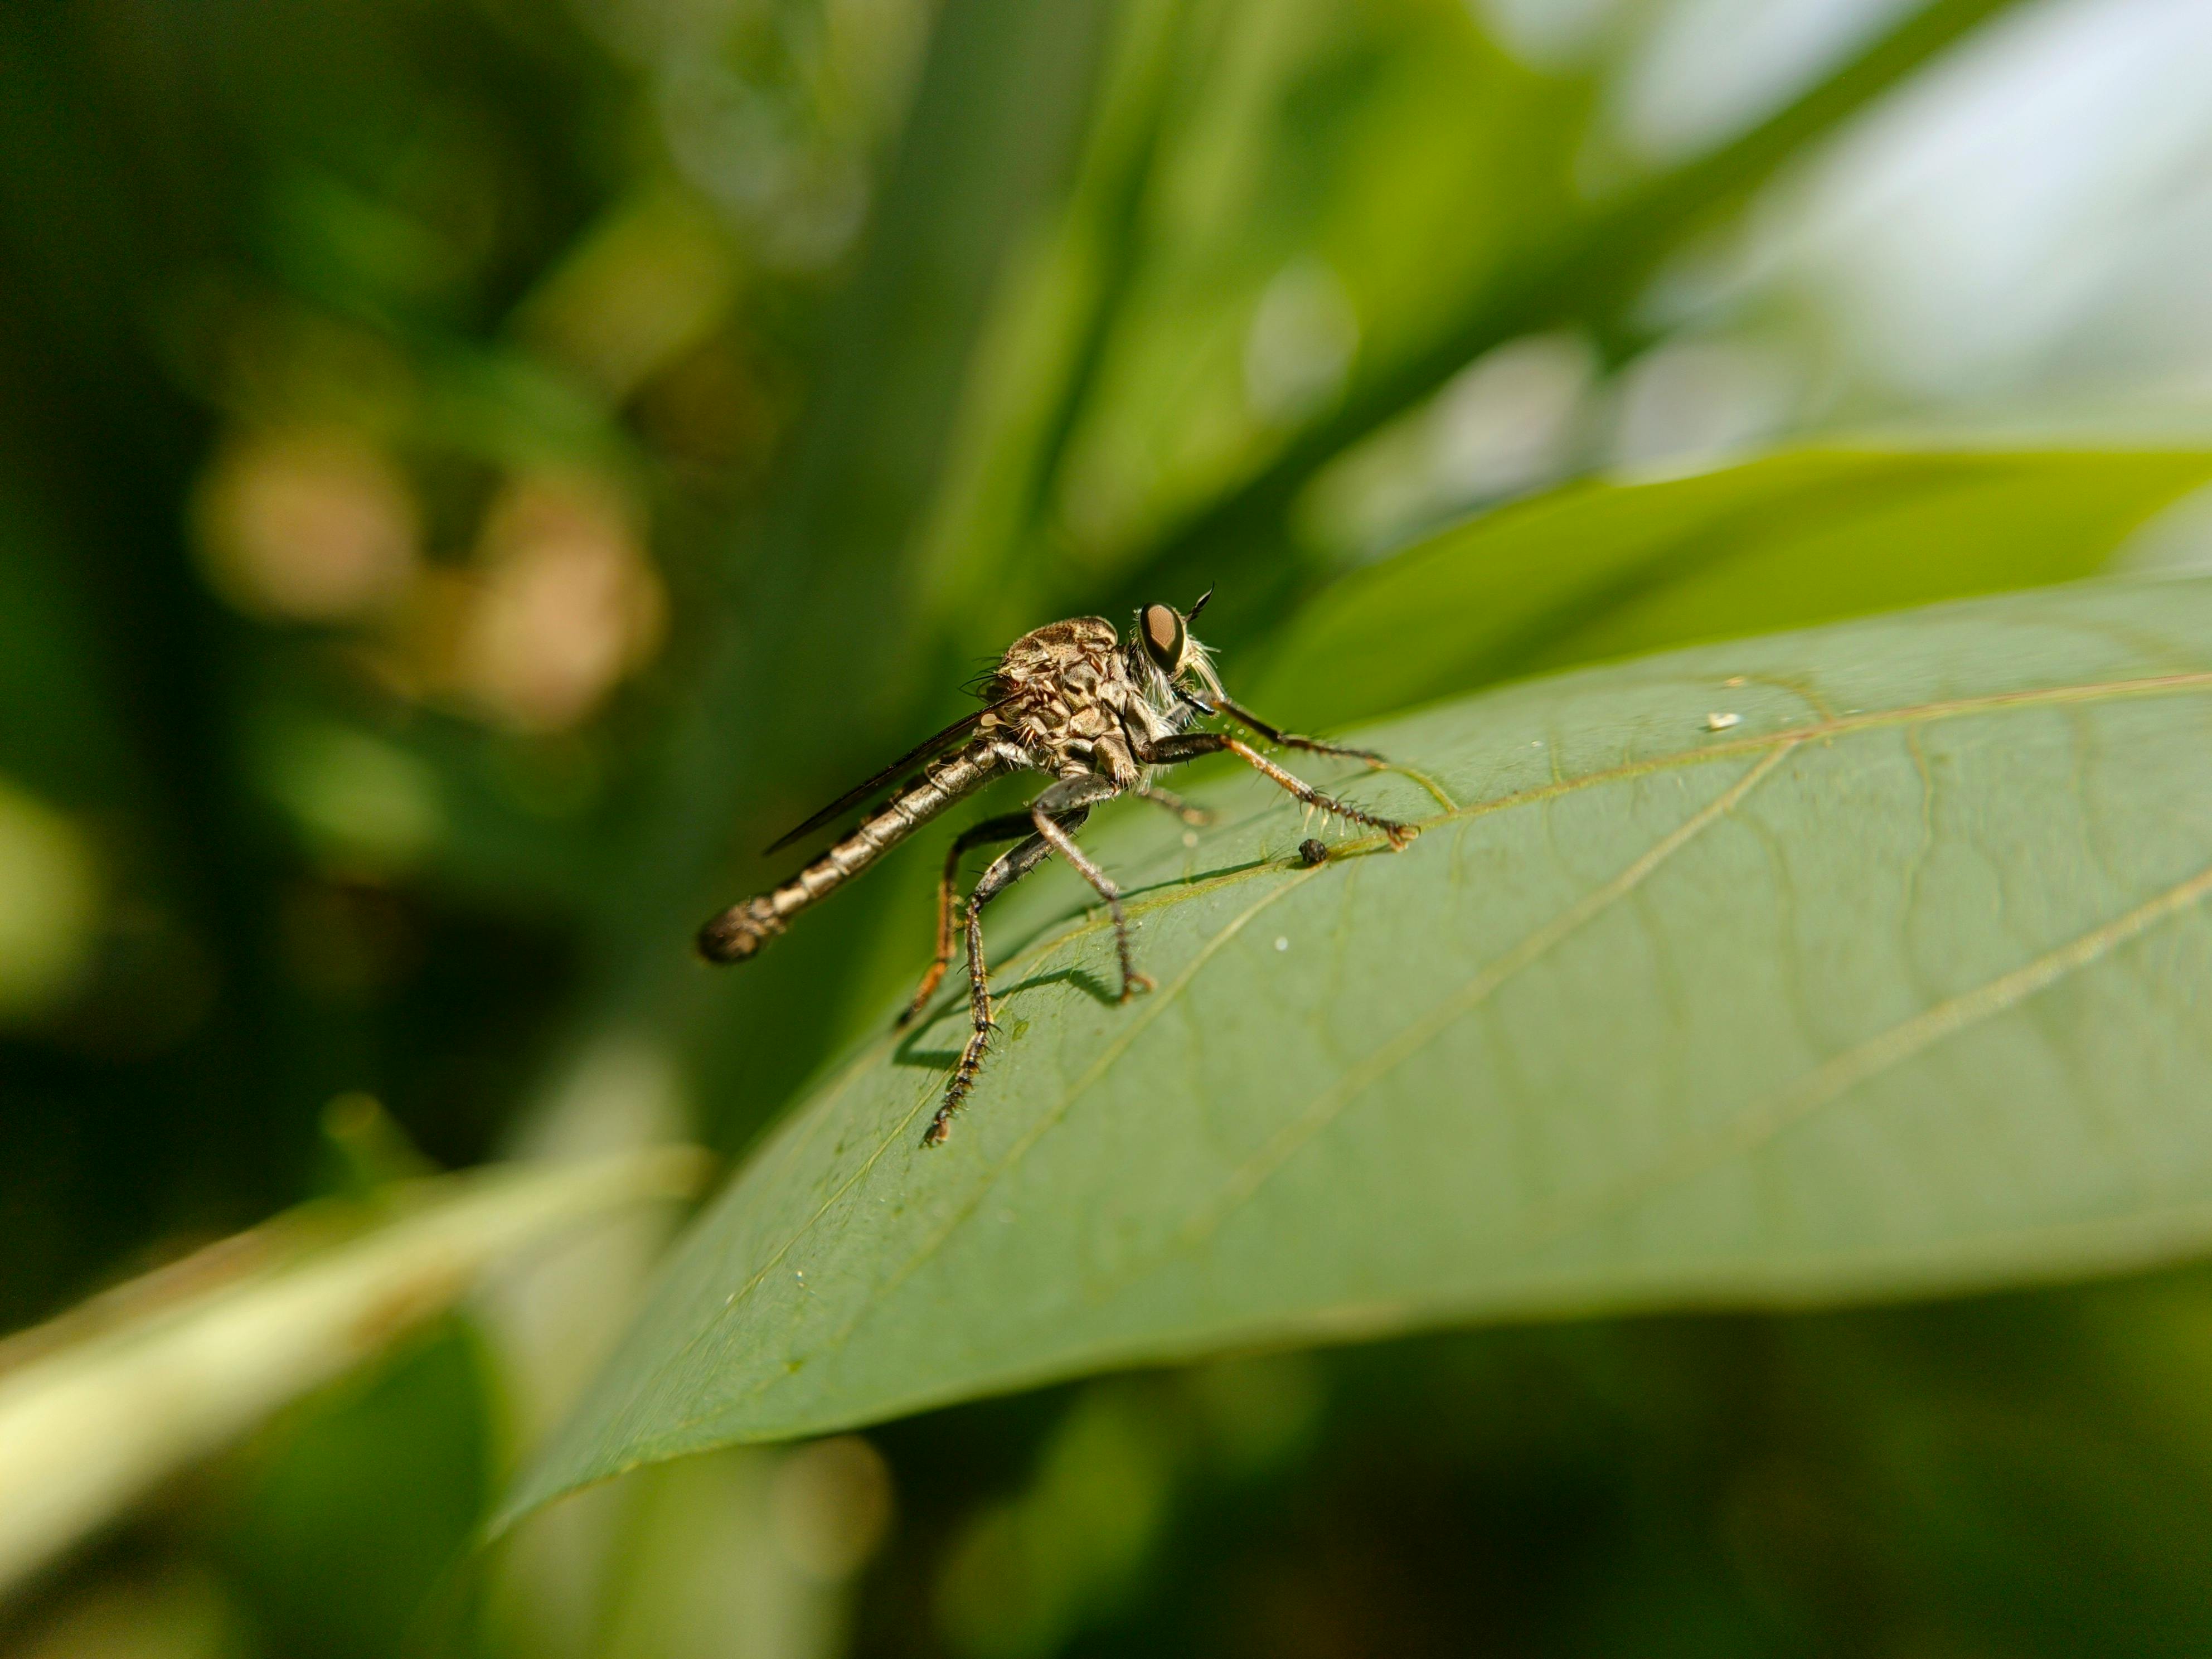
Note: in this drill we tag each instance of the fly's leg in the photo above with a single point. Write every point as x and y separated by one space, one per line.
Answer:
1064 844
1009 826
1005 870
1196 817
1245 716
1190 745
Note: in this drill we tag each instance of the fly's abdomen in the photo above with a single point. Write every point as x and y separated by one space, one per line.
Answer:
738 933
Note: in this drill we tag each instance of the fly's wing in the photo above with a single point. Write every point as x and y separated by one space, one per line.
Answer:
924 751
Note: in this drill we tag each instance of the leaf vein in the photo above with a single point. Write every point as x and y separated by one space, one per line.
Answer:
1786 1106
1330 1104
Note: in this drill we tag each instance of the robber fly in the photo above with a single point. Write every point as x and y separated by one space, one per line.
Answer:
1098 717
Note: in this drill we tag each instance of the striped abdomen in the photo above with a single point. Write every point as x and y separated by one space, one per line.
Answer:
740 930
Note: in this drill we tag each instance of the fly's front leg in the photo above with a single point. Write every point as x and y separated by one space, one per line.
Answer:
1064 844
1245 717
1009 826
1190 745
1005 870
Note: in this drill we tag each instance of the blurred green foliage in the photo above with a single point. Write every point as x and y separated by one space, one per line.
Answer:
472 470
369 1495
1597 571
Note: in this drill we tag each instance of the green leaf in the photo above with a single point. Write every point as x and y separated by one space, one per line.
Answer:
833 574
1892 986
101 1405
1588 273
1602 569
1373 166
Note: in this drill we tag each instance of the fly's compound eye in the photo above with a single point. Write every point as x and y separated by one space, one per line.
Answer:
1162 628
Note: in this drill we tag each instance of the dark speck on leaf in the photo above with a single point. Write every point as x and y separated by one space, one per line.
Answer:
1311 852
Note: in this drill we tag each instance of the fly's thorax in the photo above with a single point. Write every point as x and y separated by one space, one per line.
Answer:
1080 646
1061 724
1081 702
1065 694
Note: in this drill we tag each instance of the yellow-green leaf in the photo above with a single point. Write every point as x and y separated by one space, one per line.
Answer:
1603 569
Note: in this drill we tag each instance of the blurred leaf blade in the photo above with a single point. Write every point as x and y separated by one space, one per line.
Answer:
1372 1096
1602 569
1589 271
830 575
106 1401
1040 352
1338 183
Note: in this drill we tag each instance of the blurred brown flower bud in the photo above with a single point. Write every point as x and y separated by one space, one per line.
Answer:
306 526
569 603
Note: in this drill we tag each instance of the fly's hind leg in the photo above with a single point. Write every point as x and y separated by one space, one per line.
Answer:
1005 870
1008 826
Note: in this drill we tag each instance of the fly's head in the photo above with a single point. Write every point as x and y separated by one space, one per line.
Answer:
1175 672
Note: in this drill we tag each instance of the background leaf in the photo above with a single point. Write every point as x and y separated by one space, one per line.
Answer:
1581 266
1889 987
1604 568
99 1405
